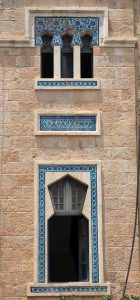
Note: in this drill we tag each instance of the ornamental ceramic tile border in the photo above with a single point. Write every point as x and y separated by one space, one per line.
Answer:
96 286
87 290
43 170
101 12
66 84
67 123
58 25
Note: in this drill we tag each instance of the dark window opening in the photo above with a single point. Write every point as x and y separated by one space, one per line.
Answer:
68 232
86 58
47 58
68 248
67 58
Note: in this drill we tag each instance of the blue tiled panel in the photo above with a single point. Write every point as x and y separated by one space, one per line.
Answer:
56 40
57 26
76 41
67 123
72 83
69 289
43 170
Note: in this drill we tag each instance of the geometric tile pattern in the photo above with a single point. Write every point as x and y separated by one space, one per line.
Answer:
65 83
57 26
43 170
76 41
56 40
69 289
67 123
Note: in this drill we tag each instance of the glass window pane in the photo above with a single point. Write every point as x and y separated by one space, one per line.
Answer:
61 200
61 193
61 206
74 206
69 193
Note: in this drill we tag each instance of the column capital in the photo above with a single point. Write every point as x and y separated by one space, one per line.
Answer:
76 41
56 40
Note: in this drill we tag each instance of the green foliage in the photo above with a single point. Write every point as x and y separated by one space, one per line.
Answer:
126 297
65 298
107 298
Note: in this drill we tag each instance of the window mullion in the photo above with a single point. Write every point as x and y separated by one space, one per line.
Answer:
76 62
57 61
68 196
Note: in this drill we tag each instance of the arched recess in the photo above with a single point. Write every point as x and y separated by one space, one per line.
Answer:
67 57
68 232
47 59
48 173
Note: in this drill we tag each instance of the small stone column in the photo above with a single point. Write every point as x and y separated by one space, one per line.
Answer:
57 62
76 62
76 43
56 43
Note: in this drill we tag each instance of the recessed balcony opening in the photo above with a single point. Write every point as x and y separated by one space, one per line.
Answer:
68 232
86 58
68 249
47 58
67 57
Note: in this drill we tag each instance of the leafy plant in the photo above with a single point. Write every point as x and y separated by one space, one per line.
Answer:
107 298
126 297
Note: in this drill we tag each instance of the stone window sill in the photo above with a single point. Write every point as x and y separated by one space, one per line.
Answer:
45 84
68 289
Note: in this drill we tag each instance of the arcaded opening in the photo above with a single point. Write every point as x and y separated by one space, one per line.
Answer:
67 57
47 58
86 58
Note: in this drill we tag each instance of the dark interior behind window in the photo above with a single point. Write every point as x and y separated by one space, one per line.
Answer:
47 58
86 58
68 249
67 58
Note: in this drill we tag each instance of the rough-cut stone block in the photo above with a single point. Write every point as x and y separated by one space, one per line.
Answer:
24 61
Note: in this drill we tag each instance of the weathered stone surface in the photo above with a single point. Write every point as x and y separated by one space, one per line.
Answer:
118 98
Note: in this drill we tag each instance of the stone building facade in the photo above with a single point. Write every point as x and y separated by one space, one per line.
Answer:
71 135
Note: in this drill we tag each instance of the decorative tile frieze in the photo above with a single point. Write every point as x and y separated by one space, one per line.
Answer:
65 83
42 235
76 41
67 123
68 289
56 40
58 26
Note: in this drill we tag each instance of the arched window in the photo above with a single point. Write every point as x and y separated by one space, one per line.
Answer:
47 57
67 57
86 57
68 232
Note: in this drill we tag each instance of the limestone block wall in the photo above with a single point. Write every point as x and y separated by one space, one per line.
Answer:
137 51
115 66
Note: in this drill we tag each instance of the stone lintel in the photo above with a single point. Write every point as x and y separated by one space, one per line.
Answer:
119 42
